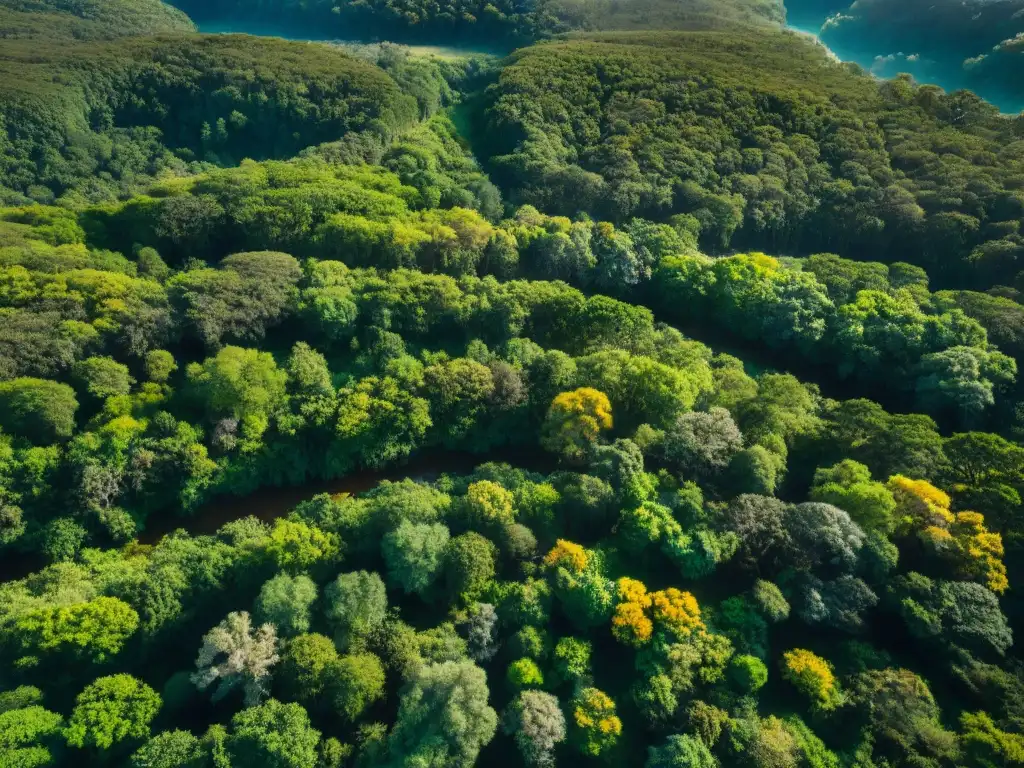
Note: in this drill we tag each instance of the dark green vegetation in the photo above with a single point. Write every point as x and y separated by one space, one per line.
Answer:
229 264
475 21
793 154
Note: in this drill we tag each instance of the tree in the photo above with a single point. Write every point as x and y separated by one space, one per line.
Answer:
574 422
903 715
681 752
273 735
758 523
756 470
160 365
170 749
92 631
819 533
294 546
308 374
304 664
702 444
481 629
443 716
356 681
110 710
233 655
986 746
356 604
488 506
535 720
414 554
748 673
813 677
39 410
244 384
469 565
572 658
770 601
597 726
102 377
285 602
29 736
848 485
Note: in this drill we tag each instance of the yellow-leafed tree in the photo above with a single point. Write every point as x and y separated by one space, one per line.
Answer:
574 422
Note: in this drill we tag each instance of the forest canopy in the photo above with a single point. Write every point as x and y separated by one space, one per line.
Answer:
648 397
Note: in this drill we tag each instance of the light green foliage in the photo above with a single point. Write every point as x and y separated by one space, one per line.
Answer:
27 736
524 673
38 410
273 734
748 673
285 602
355 605
102 377
770 601
572 658
91 631
415 554
681 752
848 485
110 710
160 365
170 749
244 384
443 713
304 664
295 546
987 745
355 682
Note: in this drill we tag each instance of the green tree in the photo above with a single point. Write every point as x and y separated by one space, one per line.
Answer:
170 749
39 410
110 710
356 681
355 605
414 554
304 664
443 716
274 735
92 631
469 565
681 752
102 377
285 602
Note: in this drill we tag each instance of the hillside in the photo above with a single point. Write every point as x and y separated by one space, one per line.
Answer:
798 154
78 20
644 398
502 22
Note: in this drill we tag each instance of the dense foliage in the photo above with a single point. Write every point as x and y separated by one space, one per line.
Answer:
567 533
498 23
767 142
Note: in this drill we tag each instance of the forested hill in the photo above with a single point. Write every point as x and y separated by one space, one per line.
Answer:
769 142
77 20
481 21
721 336
90 121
